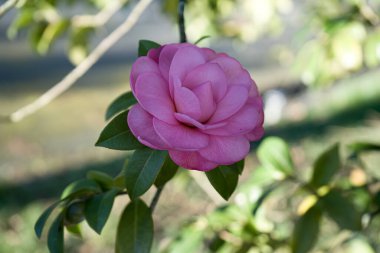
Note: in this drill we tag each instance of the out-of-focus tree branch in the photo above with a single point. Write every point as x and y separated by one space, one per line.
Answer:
7 6
82 68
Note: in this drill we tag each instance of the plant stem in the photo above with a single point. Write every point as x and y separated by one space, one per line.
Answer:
156 197
181 21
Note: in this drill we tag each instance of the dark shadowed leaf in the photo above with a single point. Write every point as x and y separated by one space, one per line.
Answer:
274 154
121 103
306 231
117 135
39 226
135 229
146 45
224 179
55 235
81 187
98 209
167 172
239 166
101 178
341 210
142 170
326 166
364 146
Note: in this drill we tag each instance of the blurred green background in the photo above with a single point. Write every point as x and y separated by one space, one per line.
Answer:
316 63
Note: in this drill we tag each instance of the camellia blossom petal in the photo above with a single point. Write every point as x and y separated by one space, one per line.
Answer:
201 106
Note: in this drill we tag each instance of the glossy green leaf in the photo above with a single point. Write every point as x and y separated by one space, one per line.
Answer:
326 166
145 46
142 170
55 236
39 226
98 209
103 179
224 179
167 172
341 210
274 154
306 230
117 135
81 187
135 229
121 103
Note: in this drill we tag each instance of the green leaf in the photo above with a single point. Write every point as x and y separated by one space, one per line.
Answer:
224 179
239 166
39 226
81 187
306 231
74 213
79 41
326 166
142 170
135 229
358 147
274 154
74 230
341 210
201 39
98 209
103 179
145 46
55 235
167 172
117 135
50 34
121 103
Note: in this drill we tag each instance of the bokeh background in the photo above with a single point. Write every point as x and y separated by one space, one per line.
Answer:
315 62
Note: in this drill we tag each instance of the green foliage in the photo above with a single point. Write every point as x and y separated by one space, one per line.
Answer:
325 167
145 46
38 228
167 172
55 235
224 179
274 155
120 104
117 135
142 170
135 229
306 230
81 187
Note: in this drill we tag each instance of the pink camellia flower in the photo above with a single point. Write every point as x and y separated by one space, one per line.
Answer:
201 106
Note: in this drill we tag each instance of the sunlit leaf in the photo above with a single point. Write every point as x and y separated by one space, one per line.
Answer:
101 178
81 187
326 166
145 46
274 154
341 210
75 230
135 229
117 135
98 208
224 179
142 170
306 231
121 103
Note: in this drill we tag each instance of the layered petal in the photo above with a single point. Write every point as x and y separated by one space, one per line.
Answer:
152 94
142 65
191 160
255 134
225 149
141 124
192 122
165 59
206 100
231 103
244 121
180 137
187 103
209 72
184 60
154 53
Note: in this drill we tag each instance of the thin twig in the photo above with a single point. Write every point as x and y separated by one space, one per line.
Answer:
156 197
83 67
101 17
7 6
181 21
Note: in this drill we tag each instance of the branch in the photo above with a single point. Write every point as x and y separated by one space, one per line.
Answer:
156 197
83 67
7 6
101 17
181 21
